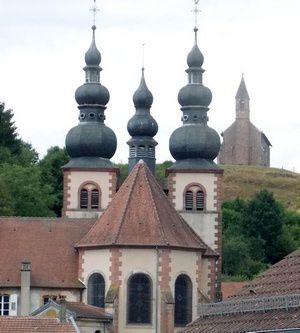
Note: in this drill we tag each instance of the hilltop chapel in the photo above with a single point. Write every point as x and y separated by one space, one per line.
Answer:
146 259
243 143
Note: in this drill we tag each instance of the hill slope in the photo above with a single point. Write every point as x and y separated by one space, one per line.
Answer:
245 181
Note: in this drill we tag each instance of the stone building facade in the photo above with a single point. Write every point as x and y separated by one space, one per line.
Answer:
243 143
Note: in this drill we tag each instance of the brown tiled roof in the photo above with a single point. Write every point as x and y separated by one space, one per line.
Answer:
247 322
140 214
82 310
280 279
230 288
34 324
48 244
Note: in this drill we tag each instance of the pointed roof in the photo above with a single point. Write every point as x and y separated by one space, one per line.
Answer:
140 214
242 92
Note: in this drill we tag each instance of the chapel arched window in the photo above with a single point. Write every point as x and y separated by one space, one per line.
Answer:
96 290
139 299
183 300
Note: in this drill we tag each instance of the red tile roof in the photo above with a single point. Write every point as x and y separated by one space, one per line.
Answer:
277 289
280 279
34 324
246 322
140 214
82 310
48 244
230 288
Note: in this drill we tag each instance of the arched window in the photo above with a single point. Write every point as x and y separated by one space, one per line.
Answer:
89 196
194 198
95 199
84 198
139 299
189 200
183 300
96 290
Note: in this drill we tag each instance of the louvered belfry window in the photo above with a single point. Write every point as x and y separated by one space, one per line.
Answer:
139 299
95 199
189 198
194 198
200 200
84 198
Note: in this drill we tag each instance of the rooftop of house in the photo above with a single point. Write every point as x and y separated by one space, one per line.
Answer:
48 244
34 324
269 302
77 310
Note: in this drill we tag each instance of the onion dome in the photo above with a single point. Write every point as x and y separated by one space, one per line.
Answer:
142 127
93 56
195 57
194 144
91 138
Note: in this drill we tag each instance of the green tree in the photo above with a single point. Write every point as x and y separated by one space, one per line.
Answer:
52 175
8 132
27 195
264 220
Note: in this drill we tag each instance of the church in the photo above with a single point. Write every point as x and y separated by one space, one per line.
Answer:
243 143
147 258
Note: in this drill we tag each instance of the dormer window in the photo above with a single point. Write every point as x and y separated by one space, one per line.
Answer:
89 196
194 198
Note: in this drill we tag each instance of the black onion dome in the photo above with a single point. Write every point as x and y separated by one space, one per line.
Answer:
92 93
142 125
93 56
91 139
194 95
194 141
143 96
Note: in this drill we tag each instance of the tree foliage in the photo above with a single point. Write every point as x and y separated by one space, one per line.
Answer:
52 175
255 234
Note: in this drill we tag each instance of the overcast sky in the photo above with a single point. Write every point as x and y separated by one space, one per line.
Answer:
42 54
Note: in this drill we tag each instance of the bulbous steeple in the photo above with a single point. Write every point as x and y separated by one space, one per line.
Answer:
194 144
142 127
91 143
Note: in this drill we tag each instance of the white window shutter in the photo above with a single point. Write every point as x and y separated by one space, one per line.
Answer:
13 305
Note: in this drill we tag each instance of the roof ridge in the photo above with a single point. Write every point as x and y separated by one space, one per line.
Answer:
163 236
126 205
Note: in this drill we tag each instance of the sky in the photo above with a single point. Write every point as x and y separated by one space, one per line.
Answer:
42 55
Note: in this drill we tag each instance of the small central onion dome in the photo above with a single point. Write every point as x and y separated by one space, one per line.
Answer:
92 139
194 95
142 125
92 93
143 96
93 56
194 141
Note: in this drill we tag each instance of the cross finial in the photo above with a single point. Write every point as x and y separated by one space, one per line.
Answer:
196 12
94 10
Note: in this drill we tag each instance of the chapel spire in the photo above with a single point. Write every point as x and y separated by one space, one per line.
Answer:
142 127
242 101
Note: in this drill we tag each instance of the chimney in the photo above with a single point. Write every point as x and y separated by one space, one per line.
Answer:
25 288
63 309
